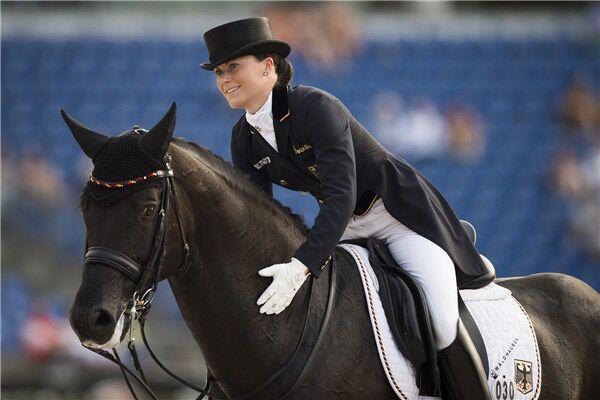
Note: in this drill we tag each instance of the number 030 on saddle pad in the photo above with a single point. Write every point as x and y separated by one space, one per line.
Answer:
508 335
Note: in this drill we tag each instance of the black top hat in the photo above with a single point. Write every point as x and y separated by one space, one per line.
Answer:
241 38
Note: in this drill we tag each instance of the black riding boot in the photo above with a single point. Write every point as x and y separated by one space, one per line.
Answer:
463 374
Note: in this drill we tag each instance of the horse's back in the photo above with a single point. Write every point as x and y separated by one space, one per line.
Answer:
570 298
549 280
565 313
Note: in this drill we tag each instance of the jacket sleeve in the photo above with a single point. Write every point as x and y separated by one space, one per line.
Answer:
327 128
239 156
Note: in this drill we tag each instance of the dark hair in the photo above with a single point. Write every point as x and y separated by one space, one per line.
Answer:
283 68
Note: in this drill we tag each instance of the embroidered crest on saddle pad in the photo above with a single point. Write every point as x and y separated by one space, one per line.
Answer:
512 348
523 376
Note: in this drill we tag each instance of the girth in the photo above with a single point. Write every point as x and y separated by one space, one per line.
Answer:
284 381
474 333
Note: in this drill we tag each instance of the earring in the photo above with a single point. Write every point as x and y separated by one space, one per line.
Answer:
265 73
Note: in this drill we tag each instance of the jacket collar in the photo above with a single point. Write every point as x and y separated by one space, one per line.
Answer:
280 109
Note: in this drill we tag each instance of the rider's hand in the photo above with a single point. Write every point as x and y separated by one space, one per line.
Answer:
287 279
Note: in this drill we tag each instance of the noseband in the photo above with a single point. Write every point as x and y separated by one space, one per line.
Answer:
146 277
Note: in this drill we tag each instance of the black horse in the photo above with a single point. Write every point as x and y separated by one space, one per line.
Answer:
234 229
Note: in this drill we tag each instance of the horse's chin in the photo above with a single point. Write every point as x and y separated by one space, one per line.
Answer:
121 329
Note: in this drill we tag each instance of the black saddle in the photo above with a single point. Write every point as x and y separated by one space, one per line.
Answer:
406 310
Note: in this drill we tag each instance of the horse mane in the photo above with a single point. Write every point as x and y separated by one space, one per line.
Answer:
238 181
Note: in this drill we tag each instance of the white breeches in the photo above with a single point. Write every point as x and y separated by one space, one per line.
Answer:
428 263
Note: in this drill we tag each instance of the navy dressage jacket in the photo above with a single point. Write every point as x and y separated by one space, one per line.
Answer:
325 151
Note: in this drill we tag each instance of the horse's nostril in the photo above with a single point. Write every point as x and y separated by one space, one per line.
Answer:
102 319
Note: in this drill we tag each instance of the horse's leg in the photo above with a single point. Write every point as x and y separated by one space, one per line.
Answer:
565 313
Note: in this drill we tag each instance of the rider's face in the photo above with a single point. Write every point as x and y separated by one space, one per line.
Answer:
243 83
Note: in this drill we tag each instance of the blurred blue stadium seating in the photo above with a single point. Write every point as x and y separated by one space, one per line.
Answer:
514 84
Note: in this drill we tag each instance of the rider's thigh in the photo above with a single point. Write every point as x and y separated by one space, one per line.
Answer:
431 266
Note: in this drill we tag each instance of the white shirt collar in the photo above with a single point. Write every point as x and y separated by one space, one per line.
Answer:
265 112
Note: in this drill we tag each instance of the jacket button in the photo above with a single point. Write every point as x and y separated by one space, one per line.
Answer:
283 182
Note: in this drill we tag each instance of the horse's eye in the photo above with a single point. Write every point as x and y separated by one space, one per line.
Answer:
148 211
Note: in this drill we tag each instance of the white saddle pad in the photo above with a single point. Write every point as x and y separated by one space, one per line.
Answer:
512 348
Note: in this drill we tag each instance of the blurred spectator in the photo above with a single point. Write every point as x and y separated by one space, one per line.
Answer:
389 119
578 181
113 389
421 132
590 168
466 136
584 225
70 348
39 335
325 34
423 135
566 176
9 175
575 171
41 180
342 29
415 133
579 111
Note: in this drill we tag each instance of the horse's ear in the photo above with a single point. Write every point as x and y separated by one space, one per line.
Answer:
88 140
157 140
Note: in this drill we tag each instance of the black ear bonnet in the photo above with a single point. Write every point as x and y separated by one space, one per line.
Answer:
125 163
121 159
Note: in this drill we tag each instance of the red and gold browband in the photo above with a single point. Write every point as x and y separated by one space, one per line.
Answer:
117 185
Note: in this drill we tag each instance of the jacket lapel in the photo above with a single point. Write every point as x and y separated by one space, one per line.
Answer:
261 147
282 126
283 131
281 122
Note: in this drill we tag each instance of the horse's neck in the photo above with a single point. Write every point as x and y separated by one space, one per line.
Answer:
217 296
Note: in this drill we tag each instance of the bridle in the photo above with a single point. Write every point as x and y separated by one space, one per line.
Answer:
146 277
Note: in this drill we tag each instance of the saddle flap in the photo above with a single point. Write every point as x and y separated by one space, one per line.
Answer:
407 313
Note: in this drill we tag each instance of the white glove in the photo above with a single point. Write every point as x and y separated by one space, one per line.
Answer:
287 279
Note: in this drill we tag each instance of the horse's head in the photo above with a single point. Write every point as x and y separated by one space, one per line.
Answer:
122 207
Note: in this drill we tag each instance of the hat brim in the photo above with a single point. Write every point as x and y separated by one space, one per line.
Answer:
260 47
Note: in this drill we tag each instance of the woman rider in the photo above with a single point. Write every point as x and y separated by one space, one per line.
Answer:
304 138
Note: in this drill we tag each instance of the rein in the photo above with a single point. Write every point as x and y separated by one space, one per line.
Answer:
147 279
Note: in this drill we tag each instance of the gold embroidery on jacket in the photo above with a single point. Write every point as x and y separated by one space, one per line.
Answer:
313 169
284 117
368 208
302 148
